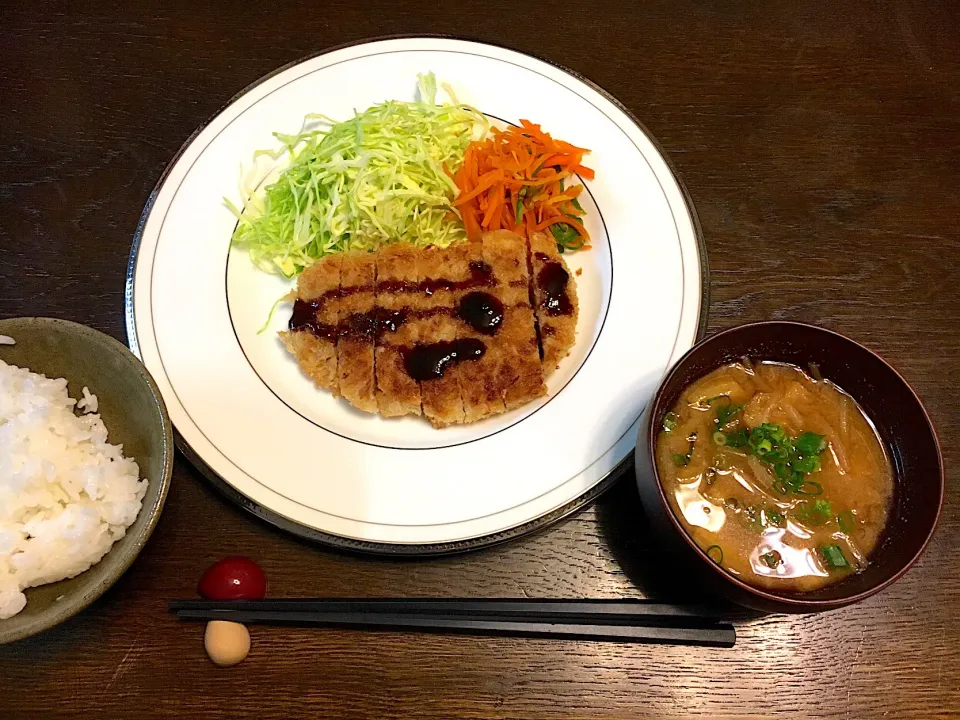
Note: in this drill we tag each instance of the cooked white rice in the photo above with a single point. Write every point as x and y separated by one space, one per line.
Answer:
66 494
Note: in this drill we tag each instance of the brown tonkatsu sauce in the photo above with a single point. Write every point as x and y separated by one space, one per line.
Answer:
553 279
371 324
304 317
430 361
481 311
554 299
481 275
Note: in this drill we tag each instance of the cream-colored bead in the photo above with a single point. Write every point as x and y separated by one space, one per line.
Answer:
227 643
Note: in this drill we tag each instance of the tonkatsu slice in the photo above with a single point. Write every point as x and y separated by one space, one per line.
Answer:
554 300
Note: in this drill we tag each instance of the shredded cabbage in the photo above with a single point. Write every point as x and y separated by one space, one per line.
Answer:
379 177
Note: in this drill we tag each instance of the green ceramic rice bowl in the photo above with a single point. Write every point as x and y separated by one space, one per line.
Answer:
132 409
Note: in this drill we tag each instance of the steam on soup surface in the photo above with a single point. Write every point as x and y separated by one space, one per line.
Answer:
780 478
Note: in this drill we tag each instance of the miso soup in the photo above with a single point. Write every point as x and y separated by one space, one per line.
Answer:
779 477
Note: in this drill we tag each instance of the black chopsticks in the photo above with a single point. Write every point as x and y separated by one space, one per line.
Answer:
619 620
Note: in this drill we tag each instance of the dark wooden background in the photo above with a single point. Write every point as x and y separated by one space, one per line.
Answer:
820 144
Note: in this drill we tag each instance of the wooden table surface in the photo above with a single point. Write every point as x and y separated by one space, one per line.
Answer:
819 142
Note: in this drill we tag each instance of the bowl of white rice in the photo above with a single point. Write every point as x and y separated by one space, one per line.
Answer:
86 453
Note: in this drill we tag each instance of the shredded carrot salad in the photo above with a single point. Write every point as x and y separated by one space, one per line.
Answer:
516 179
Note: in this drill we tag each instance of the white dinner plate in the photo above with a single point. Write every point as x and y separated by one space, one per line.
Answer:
310 463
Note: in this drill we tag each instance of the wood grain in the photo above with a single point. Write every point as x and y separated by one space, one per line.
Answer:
819 143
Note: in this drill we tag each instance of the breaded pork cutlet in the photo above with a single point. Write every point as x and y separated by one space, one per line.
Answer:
456 334
397 393
521 372
481 381
442 402
554 300
357 328
308 338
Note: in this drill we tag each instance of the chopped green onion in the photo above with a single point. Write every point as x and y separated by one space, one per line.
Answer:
809 443
726 413
715 553
790 461
755 517
738 439
808 464
791 482
719 438
724 396
670 421
777 454
813 513
834 556
776 431
683 460
774 517
771 559
845 521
